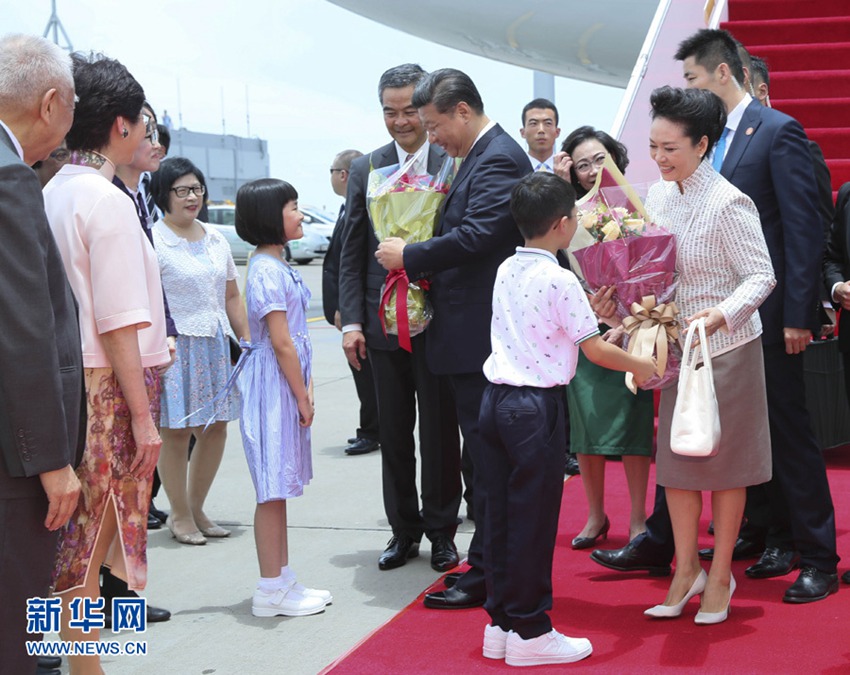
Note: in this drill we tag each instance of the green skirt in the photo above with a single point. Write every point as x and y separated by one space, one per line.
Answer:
605 417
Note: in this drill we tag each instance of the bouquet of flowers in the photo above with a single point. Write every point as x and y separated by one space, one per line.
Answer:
402 204
616 244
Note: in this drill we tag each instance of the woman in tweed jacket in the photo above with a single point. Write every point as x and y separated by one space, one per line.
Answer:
725 273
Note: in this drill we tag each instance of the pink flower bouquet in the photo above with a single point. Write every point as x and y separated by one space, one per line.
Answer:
617 245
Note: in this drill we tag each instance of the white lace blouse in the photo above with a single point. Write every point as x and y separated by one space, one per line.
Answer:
194 277
722 258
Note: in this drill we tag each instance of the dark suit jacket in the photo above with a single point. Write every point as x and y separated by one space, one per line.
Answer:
360 275
42 409
770 161
836 266
475 235
330 270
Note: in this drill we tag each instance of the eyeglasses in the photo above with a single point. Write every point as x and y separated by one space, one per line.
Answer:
340 170
586 164
74 100
151 132
183 191
60 155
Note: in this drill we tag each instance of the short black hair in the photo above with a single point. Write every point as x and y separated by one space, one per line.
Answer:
147 105
543 104
710 48
259 210
398 77
106 90
760 68
445 88
539 200
164 137
617 150
698 111
170 171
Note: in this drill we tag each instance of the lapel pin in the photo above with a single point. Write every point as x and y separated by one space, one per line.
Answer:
749 131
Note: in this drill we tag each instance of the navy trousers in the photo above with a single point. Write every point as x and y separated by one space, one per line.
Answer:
523 435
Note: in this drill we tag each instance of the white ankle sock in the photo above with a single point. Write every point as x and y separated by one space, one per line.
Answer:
269 585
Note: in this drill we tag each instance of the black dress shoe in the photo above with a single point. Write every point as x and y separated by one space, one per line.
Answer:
453 598
47 671
588 542
399 550
153 522
743 549
451 579
160 515
844 577
49 661
631 559
361 446
571 466
774 562
443 553
351 440
812 585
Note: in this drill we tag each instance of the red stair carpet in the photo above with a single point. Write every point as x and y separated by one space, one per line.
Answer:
762 634
806 44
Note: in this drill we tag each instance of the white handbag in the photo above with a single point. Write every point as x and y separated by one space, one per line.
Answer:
695 429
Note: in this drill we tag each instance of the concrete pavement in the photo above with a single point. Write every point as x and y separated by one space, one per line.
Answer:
337 530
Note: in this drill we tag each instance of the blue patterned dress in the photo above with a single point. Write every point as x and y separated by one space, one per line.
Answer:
276 446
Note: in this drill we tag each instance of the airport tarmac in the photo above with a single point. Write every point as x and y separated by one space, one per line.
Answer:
337 530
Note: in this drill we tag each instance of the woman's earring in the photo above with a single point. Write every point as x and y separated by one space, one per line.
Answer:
124 132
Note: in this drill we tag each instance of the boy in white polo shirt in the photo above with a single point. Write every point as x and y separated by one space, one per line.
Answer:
541 317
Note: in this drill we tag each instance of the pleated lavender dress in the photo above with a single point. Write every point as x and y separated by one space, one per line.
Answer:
276 446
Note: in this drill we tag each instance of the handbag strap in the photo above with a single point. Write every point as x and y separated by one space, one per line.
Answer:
697 326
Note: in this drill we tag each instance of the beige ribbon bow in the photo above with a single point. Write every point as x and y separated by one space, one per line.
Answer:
650 328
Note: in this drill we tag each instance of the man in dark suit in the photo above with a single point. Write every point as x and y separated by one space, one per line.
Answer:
836 275
366 438
475 235
768 159
42 410
403 380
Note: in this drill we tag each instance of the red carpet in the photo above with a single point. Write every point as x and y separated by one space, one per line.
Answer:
762 635
807 47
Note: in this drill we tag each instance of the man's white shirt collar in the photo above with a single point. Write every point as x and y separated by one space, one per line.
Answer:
420 163
733 119
546 165
486 128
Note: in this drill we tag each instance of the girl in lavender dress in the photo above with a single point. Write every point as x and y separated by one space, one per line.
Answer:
277 390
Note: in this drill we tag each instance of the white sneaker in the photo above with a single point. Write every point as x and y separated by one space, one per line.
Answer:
495 640
285 602
325 596
551 647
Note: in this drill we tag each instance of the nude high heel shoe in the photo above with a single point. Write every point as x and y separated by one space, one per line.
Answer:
708 618
190 538
672 611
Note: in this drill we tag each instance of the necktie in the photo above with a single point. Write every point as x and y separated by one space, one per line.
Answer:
720 150
142 212
150 205
541 166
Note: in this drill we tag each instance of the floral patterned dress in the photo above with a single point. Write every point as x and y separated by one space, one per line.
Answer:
107 483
